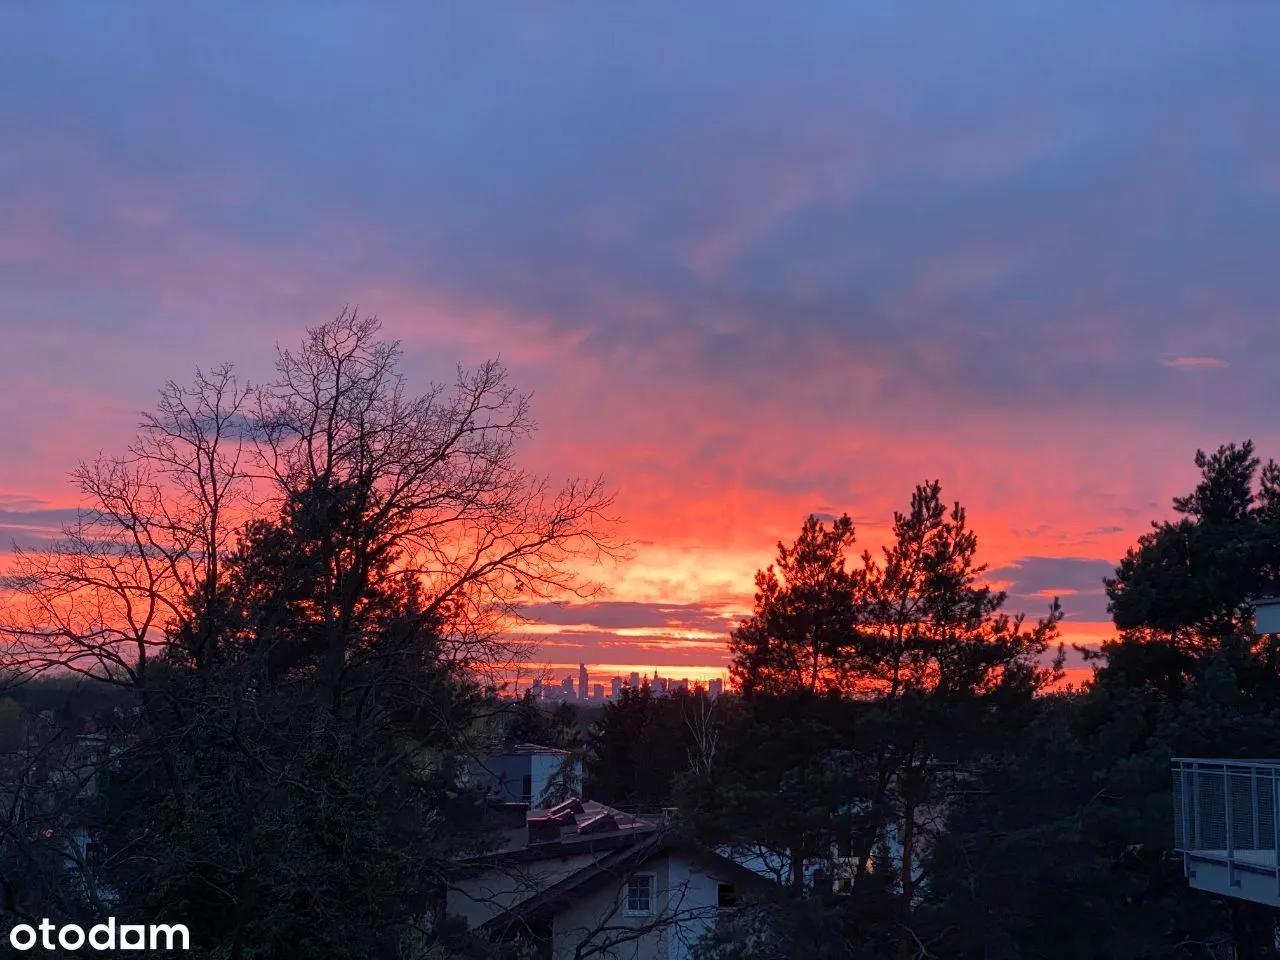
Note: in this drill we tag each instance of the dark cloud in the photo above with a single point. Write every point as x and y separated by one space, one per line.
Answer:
1074 661
597 647
23 539
41 518
619 614
1034 581
34 529
999 208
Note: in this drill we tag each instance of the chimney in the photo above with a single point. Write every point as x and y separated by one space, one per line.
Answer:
543 830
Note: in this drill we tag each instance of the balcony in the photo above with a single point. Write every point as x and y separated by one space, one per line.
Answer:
1225 826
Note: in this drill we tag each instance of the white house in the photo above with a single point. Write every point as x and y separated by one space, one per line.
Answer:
532 774
584 880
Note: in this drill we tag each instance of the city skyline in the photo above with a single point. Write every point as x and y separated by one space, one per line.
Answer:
546 687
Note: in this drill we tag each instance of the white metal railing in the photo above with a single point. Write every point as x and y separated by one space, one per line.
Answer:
1225 811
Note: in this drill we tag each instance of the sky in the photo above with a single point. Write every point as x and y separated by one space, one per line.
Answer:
753 260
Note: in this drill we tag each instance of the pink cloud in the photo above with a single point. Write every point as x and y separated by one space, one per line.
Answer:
1193 363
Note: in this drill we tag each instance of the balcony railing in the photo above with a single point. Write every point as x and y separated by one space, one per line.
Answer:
1224 814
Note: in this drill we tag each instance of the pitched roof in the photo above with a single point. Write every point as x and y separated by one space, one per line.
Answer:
572 826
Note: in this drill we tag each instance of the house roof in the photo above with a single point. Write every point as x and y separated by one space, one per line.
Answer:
570 827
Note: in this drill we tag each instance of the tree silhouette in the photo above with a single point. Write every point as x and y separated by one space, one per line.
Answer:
800 632
303 583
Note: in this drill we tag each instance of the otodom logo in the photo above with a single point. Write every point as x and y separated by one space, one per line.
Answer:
102 936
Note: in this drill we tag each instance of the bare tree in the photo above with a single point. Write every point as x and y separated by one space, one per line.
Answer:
433 478
704 731
435 482
302 580
145 548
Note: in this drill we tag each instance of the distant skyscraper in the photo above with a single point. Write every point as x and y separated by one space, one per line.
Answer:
659 686
634 682
716 687
582 680
598 691
536 689
567 686
615 688
683 684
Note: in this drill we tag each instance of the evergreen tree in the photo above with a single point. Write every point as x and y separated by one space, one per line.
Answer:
638 747
798 636
1077 811
301 587
261 775
866 693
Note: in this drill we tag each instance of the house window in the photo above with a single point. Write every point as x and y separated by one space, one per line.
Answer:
526 788
726 896
637 898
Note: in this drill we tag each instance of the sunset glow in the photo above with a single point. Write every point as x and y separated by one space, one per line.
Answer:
748 273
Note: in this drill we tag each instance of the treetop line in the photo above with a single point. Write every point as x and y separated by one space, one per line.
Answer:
248 690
